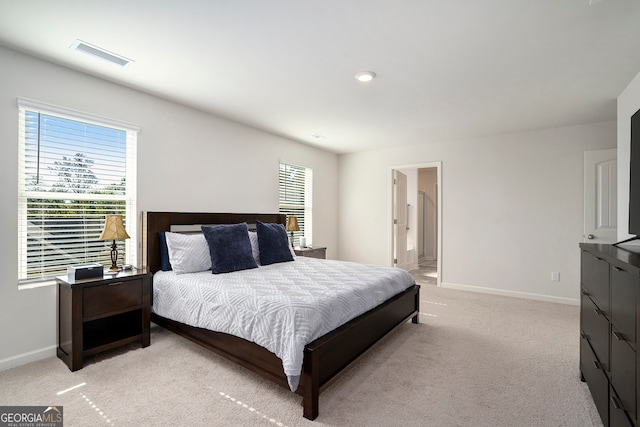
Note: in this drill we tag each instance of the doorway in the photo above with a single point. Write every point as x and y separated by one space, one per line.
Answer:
419 249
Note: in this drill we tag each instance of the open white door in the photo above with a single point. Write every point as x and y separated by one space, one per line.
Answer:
399 219
600 196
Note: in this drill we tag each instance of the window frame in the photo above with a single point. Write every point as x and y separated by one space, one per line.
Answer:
129 198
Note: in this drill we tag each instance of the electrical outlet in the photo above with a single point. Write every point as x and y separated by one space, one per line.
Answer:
555 276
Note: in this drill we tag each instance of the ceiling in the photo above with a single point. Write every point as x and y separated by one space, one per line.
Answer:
446 69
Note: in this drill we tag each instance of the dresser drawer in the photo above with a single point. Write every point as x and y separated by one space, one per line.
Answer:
316 253
312 252
618 417
595 326
596 379
623 374
595 279
113 297
624 291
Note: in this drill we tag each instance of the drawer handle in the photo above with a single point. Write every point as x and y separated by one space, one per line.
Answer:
616 402
598 312
617 268
618 336
597 364
583 335
585 293
116 283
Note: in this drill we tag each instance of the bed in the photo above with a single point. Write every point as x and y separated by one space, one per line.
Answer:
323 358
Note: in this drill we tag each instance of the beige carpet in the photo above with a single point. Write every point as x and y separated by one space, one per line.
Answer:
475 360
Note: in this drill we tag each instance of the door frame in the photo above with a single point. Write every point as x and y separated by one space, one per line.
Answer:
438 166
420 214
400 214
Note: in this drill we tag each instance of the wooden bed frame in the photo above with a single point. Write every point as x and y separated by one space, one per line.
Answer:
323 359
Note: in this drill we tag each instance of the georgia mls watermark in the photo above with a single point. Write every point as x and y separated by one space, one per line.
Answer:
31 416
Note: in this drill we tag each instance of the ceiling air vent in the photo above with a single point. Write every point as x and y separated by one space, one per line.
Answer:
98 52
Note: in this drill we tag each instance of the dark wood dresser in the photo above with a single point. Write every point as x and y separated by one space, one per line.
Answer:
610 282
96 315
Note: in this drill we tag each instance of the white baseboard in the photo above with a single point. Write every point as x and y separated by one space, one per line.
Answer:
24 358
515 294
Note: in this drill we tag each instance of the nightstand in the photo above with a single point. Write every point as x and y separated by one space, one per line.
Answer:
96 315
311 252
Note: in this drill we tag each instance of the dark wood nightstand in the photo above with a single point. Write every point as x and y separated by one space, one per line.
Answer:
313 252
96 315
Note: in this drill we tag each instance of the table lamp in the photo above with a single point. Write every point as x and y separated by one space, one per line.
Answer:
292 225
114 230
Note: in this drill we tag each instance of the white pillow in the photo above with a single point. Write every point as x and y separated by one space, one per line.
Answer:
188 253
255 249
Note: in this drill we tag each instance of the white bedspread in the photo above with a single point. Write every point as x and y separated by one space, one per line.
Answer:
281 307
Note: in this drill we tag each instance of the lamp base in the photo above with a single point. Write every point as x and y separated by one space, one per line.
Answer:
114 258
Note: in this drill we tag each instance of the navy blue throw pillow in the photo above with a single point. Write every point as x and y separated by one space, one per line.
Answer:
165 264
273 243
229 247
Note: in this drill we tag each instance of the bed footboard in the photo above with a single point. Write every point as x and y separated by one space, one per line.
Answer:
325 357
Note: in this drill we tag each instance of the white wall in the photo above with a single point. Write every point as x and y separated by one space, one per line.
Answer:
187 161
512 208
628 104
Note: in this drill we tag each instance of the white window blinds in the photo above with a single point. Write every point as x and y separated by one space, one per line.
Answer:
74 169
296 189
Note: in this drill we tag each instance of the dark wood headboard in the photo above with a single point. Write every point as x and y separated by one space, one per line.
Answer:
154 222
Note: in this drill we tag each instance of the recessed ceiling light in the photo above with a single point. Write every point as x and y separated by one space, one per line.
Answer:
318 136
100 53
365 76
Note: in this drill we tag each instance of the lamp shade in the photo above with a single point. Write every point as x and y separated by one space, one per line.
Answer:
113 228
292 224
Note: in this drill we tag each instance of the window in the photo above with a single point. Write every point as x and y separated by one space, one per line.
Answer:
74 169
295 183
